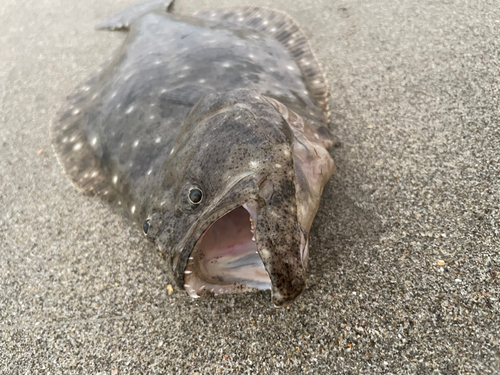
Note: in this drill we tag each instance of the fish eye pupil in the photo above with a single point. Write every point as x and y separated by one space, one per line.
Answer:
195 195
145 226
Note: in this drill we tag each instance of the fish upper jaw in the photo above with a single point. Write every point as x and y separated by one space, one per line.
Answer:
279 240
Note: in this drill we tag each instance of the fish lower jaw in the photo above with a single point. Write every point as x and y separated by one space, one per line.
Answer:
225 259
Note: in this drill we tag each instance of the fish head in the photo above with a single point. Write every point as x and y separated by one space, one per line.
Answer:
228 222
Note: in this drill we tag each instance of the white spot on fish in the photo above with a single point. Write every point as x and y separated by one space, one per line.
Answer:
149 172
136 143
163 91
94 141
129 110
286 152
64 140
273 29
226 65
240 19
72 139
75 111
265 22
115 179
254 164
113 94
186 67
121 144
86 88
188 272
157 62
251 56
290 67
77 147
278 165
158 140
171 152
95 173
132 209
152 117
201 81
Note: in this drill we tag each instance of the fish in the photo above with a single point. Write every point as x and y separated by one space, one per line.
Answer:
211 132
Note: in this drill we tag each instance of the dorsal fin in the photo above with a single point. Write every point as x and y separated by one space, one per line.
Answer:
283 28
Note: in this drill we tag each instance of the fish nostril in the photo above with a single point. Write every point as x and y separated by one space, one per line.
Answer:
266 190
145 226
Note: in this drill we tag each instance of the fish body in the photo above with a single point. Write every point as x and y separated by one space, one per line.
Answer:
211 132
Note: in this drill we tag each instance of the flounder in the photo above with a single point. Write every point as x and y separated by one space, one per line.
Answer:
211 132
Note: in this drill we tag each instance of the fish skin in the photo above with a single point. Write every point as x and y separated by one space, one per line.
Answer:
201 101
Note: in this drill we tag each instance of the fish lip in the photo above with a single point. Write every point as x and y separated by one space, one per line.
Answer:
186 247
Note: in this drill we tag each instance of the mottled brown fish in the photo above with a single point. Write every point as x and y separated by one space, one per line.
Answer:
211 132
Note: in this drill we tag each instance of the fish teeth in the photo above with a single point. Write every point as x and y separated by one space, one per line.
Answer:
252 225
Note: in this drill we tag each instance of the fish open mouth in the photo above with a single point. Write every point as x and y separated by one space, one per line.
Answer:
225 258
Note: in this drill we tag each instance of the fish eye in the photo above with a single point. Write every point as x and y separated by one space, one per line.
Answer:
195 195
145 226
